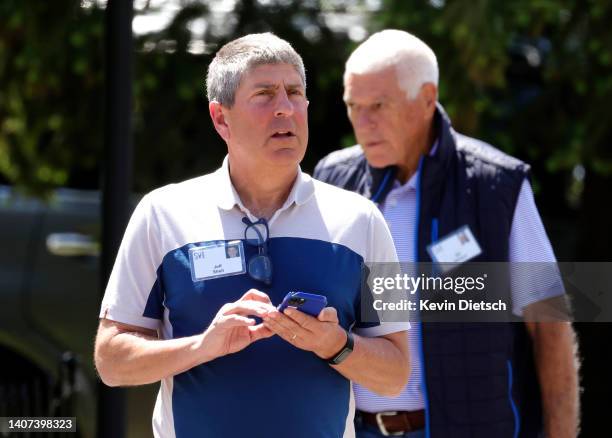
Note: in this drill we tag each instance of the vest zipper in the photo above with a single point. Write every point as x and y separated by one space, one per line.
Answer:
434 230
517 418
416 260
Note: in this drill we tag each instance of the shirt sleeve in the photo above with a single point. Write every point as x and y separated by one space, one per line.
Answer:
134 294
380 250
533 269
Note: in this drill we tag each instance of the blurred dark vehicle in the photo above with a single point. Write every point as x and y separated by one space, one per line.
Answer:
49 304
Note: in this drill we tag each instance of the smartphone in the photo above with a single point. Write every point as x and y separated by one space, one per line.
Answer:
311 304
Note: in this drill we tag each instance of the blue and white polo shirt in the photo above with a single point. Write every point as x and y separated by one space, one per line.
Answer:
318 242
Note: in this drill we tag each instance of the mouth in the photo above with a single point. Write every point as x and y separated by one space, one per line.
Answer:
371 144
283 134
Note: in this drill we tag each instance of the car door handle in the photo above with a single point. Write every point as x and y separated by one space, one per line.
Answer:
72 245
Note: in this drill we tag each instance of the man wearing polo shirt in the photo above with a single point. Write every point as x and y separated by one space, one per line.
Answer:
178 309
502 380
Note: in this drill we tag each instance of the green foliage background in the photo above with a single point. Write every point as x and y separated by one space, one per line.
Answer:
531 77
51 76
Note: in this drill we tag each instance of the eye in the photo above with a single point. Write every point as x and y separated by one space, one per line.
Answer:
377 106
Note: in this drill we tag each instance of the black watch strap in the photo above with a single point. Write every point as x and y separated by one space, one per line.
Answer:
344 352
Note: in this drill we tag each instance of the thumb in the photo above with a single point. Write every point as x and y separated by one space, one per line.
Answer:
259 332
328 314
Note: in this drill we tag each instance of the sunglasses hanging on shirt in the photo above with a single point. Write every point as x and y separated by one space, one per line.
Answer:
256 234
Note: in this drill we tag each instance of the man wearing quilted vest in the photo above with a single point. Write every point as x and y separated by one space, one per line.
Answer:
503 380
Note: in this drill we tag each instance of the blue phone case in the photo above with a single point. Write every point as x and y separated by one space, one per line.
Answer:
312 304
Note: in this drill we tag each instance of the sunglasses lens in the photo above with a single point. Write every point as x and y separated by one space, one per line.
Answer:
256 234
260 268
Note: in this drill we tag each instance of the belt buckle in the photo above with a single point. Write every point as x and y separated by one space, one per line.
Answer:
381 425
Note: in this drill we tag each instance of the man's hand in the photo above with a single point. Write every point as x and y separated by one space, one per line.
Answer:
322 335
130 355
381 364
232 330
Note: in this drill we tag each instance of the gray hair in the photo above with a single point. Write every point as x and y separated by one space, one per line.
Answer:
414 61
238 56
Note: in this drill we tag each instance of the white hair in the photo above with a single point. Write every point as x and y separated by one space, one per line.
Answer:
415 63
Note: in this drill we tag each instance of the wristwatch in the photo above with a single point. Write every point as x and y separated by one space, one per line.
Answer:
344 352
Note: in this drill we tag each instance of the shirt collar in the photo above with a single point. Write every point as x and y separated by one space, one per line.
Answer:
301 192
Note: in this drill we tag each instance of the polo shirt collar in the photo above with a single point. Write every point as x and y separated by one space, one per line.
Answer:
301 192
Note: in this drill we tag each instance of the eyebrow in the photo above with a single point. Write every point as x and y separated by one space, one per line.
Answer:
267 85
379 98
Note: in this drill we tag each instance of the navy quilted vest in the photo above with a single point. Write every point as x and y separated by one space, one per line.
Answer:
480 378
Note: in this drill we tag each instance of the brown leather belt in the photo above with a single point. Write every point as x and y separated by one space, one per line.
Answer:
394 422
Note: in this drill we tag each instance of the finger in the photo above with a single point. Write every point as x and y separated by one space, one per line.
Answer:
228 321
287 322
304 320
260 331
255 295
293 335
283 333
328 314
248 308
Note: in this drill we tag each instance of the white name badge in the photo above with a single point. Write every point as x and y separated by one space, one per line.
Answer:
455 248
217 259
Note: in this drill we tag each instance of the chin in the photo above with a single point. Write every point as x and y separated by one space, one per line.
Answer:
379 161
287 156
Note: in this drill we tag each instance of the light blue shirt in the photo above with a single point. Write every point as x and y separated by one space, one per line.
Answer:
528 243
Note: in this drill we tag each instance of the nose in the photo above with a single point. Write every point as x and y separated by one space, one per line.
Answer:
363 120
284 106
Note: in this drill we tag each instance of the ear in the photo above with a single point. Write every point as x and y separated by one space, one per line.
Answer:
429 95
218 116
